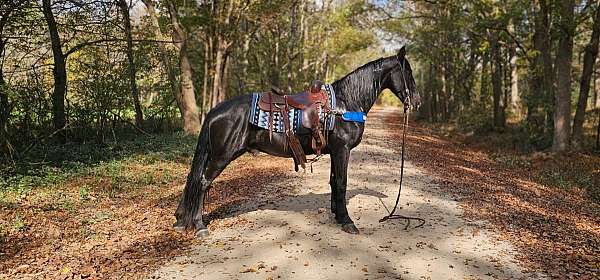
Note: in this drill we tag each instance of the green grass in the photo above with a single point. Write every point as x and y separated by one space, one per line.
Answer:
90 169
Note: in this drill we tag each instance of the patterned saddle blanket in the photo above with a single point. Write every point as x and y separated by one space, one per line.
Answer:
261 117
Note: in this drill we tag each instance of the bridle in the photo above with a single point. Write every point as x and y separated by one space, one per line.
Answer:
407 106
401 63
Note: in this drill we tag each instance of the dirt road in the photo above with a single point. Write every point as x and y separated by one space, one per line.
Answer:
296 237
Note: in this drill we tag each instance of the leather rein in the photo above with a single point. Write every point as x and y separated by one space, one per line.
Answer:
407 106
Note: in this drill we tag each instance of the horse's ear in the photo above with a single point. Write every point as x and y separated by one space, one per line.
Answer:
402 52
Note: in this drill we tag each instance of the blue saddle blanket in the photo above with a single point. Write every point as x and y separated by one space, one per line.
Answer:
261 118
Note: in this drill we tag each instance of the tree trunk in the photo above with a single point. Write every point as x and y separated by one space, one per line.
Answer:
444 98
302 44
469 76
435 108
562 111
596 100
245 62
205 97
164 54
218 76
598 132
59 71
5 146
540 73
483 90
515 98
191 119
224 79
589 58
497 77
425 110
139 117
292 41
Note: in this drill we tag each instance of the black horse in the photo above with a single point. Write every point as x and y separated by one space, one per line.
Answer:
227 134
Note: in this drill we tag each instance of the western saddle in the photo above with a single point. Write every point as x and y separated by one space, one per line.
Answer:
312 104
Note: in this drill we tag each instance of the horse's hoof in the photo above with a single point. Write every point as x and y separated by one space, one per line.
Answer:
350 228
201 233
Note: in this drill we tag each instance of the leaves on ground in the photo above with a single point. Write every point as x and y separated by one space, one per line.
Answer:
126 235
556 230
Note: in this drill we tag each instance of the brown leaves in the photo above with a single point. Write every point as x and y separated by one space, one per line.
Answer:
556 231
126 236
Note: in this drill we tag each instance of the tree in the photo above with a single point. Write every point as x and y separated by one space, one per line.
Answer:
562 110
589 58
541 73
7 13
187 98
139 117
164 54
59 70
497 87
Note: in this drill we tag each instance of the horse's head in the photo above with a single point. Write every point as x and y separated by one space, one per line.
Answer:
401 81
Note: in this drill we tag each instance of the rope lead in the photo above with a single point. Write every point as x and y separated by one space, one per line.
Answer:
391 215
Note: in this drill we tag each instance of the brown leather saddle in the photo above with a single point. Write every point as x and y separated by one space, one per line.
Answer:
312 104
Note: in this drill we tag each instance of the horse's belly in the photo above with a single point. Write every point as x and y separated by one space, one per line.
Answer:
277 144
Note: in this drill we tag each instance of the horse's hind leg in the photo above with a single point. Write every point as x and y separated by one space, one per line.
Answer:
212 156
214 168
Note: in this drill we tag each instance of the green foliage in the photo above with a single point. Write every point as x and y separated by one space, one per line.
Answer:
388 98
104 170
18 223
84 193
66 204
452 44
570 177
474 119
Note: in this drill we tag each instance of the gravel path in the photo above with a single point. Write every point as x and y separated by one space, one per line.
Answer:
296 237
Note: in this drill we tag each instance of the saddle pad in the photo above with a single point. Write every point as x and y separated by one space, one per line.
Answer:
354 117
261 118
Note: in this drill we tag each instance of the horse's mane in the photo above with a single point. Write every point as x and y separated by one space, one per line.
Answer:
357 89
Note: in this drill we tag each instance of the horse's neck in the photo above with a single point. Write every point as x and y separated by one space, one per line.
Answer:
357 91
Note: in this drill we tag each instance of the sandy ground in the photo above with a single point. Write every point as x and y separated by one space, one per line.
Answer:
296 237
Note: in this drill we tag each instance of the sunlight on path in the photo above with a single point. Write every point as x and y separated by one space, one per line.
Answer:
296 237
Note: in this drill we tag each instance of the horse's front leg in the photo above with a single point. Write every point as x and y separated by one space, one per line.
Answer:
340 159
333 185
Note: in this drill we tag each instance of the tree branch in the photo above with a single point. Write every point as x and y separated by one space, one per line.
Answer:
85 44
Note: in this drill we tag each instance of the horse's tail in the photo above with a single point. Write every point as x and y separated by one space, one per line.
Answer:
196 183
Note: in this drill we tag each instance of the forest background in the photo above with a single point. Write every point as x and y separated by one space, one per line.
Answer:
99 90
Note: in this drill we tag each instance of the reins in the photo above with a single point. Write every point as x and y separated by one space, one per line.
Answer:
391 215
